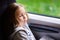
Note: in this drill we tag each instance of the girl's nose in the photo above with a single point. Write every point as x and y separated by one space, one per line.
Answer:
25 17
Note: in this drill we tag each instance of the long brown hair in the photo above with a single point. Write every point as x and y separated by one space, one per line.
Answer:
8 19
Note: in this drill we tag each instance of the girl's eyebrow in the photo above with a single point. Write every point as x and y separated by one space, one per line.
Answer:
21 14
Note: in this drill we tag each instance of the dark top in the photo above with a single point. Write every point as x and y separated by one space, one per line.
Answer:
3 6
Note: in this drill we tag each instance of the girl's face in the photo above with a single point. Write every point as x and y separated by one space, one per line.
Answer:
20 15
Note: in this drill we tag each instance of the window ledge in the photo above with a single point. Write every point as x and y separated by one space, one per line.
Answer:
39 19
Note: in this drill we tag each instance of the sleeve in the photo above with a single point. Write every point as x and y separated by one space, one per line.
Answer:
19 34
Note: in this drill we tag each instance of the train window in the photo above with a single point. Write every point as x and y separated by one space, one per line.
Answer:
43 25
45 7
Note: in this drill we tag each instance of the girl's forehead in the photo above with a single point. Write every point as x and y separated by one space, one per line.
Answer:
21 7
21 10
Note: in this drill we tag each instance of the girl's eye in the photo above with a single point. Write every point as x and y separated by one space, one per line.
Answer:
20 15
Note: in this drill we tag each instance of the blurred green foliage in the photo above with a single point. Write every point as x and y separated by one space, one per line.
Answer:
47 7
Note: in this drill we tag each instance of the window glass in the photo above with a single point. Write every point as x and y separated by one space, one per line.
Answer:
45 7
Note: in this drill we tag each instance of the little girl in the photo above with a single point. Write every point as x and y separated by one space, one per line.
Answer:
15 23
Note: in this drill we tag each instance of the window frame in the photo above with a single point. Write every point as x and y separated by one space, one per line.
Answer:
45 20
